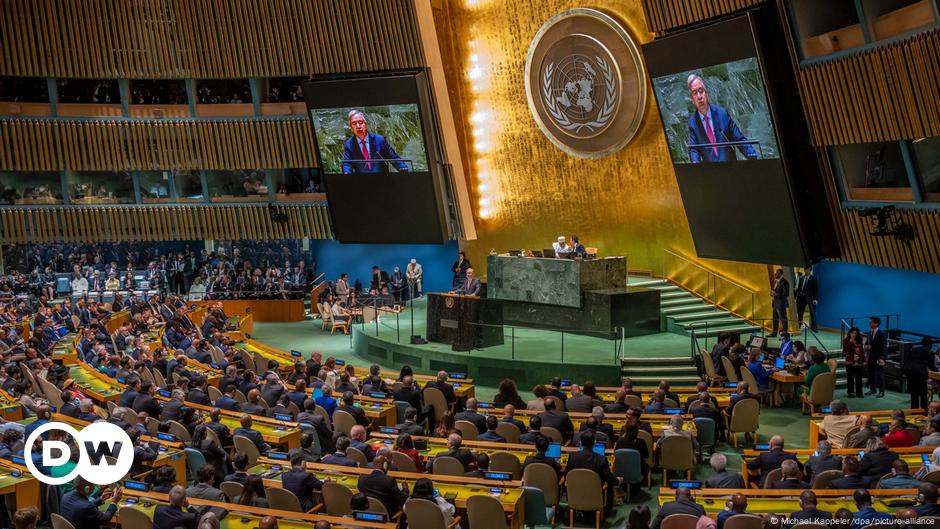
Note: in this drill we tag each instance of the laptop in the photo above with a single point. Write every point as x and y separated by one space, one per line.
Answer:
554 450
549 252
599 448
780 363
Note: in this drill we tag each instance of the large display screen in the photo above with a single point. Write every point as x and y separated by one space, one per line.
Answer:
719 126
371 137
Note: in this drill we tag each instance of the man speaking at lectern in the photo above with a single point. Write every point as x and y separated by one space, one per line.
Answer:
368 152
469 286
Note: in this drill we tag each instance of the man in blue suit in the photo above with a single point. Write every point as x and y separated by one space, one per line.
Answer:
363 147
711 123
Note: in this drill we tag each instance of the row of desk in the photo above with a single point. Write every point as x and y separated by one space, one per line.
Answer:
785 502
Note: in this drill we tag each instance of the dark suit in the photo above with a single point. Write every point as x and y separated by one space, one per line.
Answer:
446 388
478 420
410 428
253 408
227 403
170 517
516 422
339 459
271 392
171 410
579 403
542 458
587 459
199 396
817 464
807 292
781 300
529 437
771 460
558 420
470 287
878 342
810 514
302 484
357 413
127 398
410 395
876 463
725 480
323 432
917 362
724 129
378 148
852 481
677 507
83 512
461 454
384 488
255 437
791 483
145 402
491 436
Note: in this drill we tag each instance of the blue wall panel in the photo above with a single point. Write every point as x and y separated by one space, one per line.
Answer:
847 289
357 260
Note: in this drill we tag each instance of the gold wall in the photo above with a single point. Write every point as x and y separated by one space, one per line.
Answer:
625 204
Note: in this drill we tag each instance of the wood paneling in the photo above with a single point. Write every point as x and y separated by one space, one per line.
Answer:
883 94
121 224
665 15
52 145
205 38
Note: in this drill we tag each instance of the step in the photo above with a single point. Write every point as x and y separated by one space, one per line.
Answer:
713 323
684 309
686 300
660 369
649 283
659 360
694 316
644 380
737 329
673 294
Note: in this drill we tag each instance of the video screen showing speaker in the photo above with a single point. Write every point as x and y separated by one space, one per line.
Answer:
372 142
718 119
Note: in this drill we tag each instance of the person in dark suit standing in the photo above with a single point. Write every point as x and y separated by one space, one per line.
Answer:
383 487
710 123
469 286
684 504
876 344
302 483
807 296
587 459
917 362
460 268
368 152
781 301
379 279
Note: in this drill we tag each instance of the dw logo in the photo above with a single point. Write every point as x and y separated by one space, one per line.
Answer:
100 439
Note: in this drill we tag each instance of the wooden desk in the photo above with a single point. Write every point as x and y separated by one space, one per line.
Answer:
262 309
463 487
24 488
913 455
911 414
657 422
438 445
247 518
171 454
784 502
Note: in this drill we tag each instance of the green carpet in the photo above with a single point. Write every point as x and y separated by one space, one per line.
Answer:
787 421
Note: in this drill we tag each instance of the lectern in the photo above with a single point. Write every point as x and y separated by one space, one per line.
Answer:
465 322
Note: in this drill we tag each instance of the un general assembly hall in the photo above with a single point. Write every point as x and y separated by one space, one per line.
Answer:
469 264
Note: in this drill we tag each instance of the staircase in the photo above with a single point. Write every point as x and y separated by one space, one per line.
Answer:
683 311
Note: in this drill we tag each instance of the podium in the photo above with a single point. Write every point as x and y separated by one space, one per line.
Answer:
465 322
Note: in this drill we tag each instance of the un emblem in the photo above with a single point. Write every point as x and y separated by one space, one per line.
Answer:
585 83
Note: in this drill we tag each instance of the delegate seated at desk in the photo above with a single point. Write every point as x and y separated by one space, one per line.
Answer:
469 286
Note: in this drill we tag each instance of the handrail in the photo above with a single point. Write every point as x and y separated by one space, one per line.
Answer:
709 270
844 325
712 279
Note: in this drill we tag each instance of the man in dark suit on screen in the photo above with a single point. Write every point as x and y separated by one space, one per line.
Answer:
368 152
711 123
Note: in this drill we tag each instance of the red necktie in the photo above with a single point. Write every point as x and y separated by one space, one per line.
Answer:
711 134
365 152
